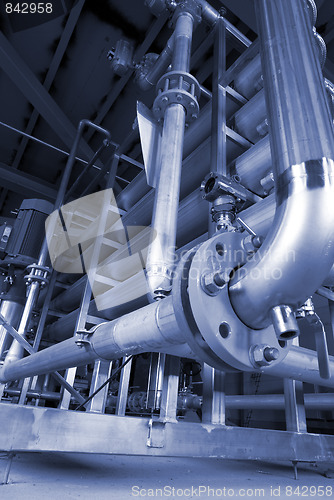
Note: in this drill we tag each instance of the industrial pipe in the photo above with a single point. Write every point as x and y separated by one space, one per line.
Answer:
284 272
152 328
148 81
160 258
319 401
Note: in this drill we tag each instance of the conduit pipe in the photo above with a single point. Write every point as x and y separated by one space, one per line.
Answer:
298 252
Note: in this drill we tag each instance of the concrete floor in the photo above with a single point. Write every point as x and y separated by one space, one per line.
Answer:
61 476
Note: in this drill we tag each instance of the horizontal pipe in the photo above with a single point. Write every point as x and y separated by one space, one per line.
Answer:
285 271
320 401
47 395
302 364
152 328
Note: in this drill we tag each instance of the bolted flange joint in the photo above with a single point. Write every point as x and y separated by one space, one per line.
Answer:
37 274
191 7
177 87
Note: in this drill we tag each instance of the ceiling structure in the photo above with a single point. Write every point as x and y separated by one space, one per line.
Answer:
55 71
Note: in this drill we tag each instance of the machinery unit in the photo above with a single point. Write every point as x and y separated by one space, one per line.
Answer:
182 305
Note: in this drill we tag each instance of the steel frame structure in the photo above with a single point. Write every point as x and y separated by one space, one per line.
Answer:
33 428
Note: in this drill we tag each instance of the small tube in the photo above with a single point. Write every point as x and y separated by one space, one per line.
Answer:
285 323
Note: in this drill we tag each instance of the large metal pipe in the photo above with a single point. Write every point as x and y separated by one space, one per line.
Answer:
152 328
192 223
284 270
160 258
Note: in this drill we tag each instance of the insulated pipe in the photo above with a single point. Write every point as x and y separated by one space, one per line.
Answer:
152 328
161 252
298 252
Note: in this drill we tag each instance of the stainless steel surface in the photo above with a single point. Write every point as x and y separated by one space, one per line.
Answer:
153 327
302 90
161 252
294 150
11 311
90 433
202 353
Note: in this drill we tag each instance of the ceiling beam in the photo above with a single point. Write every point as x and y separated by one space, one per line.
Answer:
52 71
25 184
22 76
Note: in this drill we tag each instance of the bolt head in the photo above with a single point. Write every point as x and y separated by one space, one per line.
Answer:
209 284
263 355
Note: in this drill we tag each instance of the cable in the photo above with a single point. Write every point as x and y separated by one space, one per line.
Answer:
112 377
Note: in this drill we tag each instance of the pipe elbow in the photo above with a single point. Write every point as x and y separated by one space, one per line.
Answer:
284 270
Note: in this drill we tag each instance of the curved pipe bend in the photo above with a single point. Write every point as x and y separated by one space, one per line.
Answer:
299 250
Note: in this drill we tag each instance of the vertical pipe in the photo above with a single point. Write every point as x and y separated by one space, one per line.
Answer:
300 121
285 272
218 121
161 253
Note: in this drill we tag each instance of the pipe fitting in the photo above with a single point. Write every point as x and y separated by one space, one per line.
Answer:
190 7
284 322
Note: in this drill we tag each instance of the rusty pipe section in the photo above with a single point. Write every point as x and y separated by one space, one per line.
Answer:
285 271
152 328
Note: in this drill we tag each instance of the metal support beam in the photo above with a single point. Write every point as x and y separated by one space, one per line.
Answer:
25 184
123 388
68 431
213 409
22 76
170 389
100 375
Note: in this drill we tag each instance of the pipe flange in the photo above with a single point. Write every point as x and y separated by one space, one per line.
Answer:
37 274
191 7
185 319
219 327
177 87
